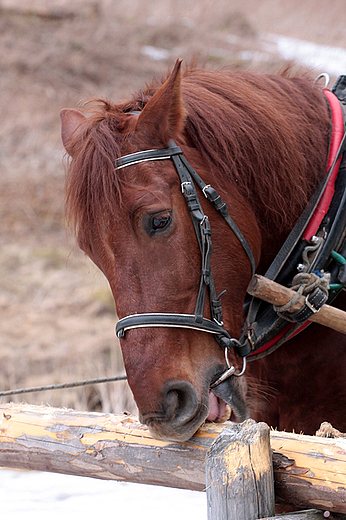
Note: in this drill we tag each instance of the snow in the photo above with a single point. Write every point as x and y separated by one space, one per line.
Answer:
55 496
320 57
155 53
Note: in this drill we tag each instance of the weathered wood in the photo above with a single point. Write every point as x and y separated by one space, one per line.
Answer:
239 474
308 514
277 294
309 471
101 446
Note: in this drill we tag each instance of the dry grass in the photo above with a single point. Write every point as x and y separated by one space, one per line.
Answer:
57 317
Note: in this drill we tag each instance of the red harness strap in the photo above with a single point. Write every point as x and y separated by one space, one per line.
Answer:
324 203
335 141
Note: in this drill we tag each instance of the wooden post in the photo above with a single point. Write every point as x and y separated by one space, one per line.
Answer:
239 474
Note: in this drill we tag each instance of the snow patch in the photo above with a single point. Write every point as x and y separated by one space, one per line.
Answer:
51 495
320 57
155 53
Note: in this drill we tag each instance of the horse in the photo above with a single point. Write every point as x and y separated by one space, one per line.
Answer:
262 140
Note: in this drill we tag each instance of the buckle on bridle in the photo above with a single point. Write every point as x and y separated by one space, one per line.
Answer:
183 185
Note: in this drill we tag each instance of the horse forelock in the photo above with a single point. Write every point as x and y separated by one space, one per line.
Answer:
93 185
265 134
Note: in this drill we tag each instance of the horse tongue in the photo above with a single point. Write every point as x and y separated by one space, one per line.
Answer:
217 409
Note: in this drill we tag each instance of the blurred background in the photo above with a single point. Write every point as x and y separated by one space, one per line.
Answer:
56 312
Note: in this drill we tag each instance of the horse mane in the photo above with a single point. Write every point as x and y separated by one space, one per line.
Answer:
266 135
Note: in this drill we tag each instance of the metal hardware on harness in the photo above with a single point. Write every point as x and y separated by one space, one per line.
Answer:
326 79
188 176
315 287
183 185
309 254
230 371
311 306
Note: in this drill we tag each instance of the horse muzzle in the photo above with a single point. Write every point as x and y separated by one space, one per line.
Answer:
183 411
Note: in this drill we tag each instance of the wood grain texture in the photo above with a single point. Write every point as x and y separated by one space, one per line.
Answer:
309 472
239 473
277 294
99 445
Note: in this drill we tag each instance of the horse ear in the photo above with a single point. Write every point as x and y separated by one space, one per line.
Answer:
163 116
71 128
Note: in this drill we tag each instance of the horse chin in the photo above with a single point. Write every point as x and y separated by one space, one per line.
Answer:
168 431
232 391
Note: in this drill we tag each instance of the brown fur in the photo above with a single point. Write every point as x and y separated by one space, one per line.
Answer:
233 119
262 140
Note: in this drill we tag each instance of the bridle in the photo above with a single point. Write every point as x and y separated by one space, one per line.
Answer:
188 176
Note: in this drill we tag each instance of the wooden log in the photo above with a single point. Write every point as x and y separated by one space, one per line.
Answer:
239 474
277 294
98 445
309 471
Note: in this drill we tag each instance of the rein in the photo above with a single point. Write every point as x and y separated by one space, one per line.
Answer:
188 176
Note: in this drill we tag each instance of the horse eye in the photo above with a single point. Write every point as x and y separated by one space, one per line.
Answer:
160 222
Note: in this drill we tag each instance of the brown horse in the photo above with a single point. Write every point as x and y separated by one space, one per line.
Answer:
262 141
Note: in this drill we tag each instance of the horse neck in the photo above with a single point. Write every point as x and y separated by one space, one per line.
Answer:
287 192
270 142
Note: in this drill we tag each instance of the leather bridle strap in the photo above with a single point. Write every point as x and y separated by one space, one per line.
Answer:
203 233
153 319
185 172
214 198
148 155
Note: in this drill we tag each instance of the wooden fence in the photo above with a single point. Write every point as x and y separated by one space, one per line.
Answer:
237 465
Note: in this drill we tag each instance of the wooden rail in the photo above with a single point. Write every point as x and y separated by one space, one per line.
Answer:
309 472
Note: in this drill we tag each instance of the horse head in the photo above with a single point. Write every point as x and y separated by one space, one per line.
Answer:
134 224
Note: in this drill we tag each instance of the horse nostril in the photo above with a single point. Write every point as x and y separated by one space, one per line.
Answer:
181 400
180 413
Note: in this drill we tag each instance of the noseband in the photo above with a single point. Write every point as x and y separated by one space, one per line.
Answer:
196 321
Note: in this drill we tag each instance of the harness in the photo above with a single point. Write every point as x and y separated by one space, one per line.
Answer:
310 247
316 244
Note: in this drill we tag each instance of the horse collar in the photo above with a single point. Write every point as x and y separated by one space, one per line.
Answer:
317 237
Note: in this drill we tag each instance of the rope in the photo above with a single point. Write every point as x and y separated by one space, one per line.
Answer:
310 281
303 284
62 385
